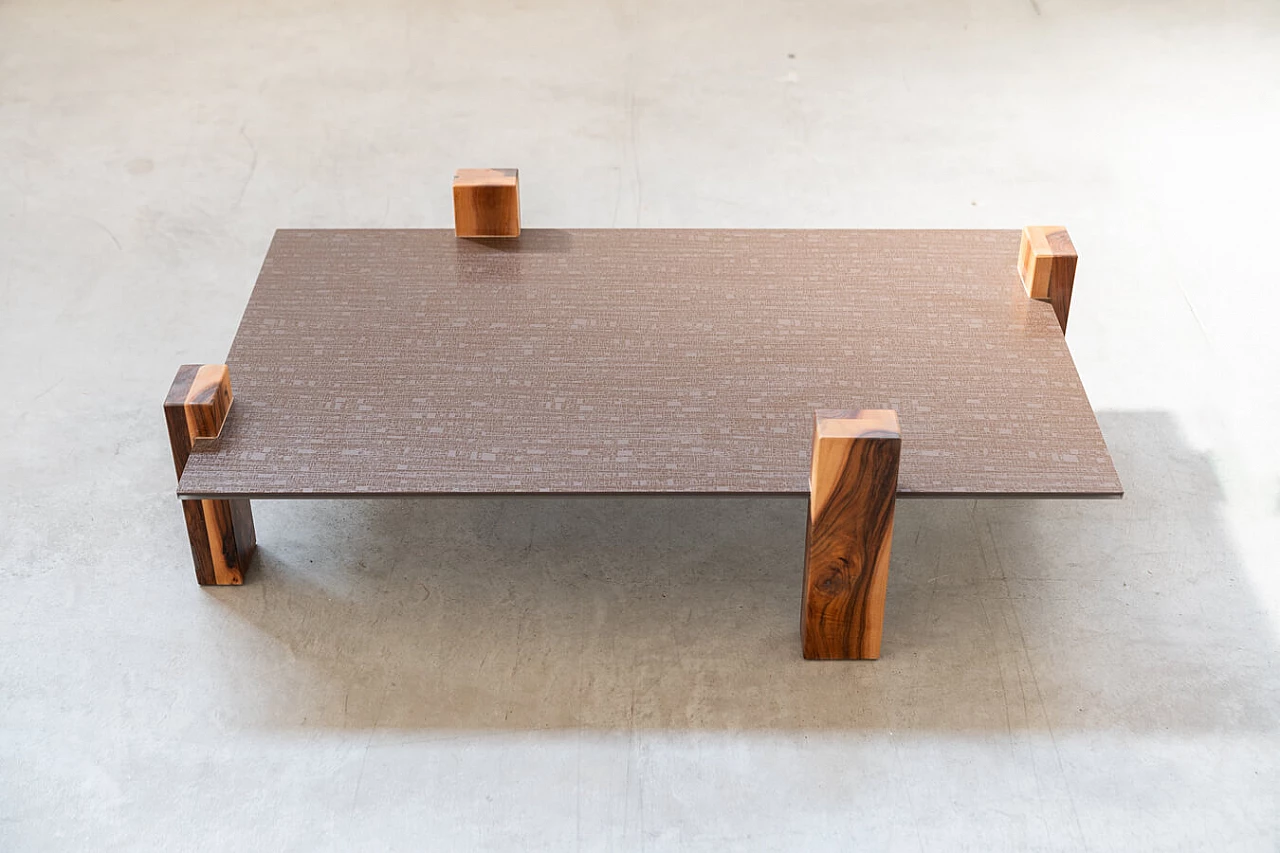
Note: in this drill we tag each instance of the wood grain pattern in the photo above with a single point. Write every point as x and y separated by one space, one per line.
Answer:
852 492
1047 265
643 361
221 531
486 203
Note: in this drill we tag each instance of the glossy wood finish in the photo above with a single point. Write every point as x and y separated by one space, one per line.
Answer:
486 203
853 487
1047 265
221 531
643 361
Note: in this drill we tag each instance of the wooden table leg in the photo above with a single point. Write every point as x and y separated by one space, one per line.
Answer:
486 203
853 485
1047 263
221 531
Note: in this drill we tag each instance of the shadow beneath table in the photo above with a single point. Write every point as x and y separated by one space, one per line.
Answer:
683 613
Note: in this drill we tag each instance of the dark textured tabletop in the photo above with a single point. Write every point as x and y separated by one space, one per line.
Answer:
633 361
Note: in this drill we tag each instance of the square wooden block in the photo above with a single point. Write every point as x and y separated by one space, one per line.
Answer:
1046 253
1047 264
486 202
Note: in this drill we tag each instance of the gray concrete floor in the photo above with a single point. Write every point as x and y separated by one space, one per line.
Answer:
625 674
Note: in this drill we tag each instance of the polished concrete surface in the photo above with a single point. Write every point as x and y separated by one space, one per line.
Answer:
552 674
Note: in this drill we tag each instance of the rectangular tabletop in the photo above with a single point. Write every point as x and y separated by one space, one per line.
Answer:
643 361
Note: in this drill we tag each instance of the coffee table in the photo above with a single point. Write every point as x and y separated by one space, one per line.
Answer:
850 366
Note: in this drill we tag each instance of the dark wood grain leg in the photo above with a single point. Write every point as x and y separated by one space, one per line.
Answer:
221 532
486 203
853 486
1047 263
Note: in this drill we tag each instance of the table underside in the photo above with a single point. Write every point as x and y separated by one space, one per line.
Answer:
410 362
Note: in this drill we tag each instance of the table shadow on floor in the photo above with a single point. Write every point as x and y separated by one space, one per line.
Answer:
683 613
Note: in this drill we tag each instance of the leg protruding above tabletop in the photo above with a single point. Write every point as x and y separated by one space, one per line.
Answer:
486 203
221 531
853 486
1047 264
